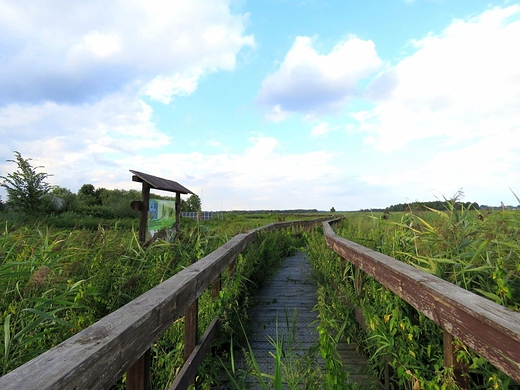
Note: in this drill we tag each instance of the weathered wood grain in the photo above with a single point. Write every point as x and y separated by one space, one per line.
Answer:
178 212
460 370
143 212
138 375
189 370
489 329
191 327
98 356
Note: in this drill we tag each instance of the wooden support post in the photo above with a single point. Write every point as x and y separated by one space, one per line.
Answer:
358 280
215 287
448 350
387 376
138 376
215 294
232 267
178 206
191 324
143 220
460 371
188 372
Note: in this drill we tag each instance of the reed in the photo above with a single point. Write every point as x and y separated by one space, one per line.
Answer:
476 250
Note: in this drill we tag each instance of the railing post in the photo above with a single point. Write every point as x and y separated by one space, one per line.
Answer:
358 280
232 267
138 376
215 293
177 212
143 218
191 325
459 370
386 383
215 287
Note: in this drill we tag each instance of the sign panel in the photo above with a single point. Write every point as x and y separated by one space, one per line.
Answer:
161 214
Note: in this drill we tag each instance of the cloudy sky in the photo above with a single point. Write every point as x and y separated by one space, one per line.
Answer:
272 104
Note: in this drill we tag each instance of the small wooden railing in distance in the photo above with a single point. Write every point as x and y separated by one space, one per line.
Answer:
98 356
491 330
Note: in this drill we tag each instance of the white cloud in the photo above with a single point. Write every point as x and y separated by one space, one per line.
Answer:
74 76
263 162
311 83
77 51
72 140
276 114
482 169
162 89
97 143
323 128
320 129
263 171
460 84
448 114
102 45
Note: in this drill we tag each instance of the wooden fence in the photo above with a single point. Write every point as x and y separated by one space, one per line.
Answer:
491 330
98 356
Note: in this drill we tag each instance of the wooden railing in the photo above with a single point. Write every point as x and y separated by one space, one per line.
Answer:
98 356
489 329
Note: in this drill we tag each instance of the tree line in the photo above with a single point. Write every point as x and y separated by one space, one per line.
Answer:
29 194
441 206
435 205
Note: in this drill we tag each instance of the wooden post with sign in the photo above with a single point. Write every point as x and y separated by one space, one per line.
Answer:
178 212
143 218
155 183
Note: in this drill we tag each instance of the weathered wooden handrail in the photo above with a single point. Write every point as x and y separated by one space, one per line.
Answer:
98 356
491 330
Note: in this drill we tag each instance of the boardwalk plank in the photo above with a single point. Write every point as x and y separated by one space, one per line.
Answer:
287 301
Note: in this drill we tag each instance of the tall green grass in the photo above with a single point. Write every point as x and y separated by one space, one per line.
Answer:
475 250
54 282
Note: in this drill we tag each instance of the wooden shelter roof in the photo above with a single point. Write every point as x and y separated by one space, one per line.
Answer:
159 183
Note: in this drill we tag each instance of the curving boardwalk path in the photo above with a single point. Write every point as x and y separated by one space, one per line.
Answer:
285 305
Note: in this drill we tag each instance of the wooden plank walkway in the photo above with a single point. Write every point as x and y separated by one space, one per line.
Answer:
286 302
357 366
285 309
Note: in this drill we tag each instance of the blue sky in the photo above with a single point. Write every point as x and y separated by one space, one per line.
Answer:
272 104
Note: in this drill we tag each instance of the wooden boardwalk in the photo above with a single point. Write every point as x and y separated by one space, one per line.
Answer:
285 310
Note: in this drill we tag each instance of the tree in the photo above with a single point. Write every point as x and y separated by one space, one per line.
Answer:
26 188
118 201
88 196
193 203
332 210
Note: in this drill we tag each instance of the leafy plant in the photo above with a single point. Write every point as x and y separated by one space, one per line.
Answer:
26 188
